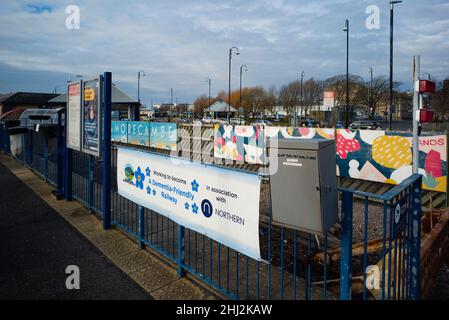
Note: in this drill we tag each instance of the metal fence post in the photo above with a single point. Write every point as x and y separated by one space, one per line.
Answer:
67 165
60 159
346 247
46 158
1 137
22 138
8 140
416 240
141 227
31 147
90 182
107 150
181 250
26 147
3 140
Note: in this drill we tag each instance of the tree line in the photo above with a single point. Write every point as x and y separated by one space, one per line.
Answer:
257 99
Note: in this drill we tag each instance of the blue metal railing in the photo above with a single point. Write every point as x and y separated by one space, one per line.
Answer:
288 270
394 272
295 265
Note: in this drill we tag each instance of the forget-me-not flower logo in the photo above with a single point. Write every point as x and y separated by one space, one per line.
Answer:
149 190
154 192
187 206
195 208
148 171
195 185
140 178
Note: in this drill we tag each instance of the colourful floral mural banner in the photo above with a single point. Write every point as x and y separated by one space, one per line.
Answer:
387 157
379 156
240 143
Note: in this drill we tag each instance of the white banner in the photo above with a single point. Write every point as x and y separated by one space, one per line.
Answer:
220 203
74 116
328 100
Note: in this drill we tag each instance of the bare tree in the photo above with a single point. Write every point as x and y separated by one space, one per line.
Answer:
289 96
271 99
312 94
201 103
357 91
256 98
440 100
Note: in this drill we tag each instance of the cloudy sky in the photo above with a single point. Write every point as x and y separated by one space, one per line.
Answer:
179 43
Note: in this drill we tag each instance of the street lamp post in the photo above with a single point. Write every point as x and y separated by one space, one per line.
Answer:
76 76
242 67
370 94
229 92
302 91
346 29
209 80
140 73
392 3
295 121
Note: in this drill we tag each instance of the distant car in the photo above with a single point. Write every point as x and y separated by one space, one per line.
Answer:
365 125
183 120
310 123
220 121
279 118
236 121
207 120
262 123
378 117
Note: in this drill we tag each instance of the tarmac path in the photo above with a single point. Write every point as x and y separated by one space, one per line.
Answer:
36 246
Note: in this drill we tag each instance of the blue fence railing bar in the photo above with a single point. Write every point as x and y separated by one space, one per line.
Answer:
372 254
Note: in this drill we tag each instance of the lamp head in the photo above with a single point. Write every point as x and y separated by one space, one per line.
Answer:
236 50
346 27
392 3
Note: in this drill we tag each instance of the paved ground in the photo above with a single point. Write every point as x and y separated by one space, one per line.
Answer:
156 275
36 246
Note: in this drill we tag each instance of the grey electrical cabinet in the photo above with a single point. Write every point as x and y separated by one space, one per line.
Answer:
304 186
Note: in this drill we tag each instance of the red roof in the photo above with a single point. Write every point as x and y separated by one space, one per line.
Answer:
14 114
